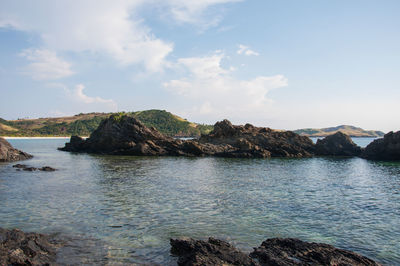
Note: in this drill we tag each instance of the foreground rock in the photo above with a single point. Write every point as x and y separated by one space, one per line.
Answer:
290 251
9 154
124 135
19 248
211 252
274 252
386 148
338 144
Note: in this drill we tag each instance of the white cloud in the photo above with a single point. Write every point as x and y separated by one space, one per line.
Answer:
192 11
78 95
45 65
102 27
210 89
245 50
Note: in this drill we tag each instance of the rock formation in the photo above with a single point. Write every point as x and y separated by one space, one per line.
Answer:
338 144
9 154
125 135
386 148
208 253
272 252
291 251
259 140
19 248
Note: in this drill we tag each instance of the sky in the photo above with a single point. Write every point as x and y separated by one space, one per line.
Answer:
284 64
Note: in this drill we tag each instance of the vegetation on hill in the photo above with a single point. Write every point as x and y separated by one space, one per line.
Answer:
84 124
349 130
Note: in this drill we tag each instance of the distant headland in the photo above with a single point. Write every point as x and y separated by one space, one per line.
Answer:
167 123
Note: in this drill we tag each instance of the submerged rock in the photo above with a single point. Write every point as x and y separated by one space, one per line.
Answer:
338 144
386 148
272 252
291 251
208 253
31 168
19 248
9 154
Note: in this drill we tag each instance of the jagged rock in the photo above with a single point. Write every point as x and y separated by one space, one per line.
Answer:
124 135
19 248
386 148
10 154
208 253
291 251
338 144
251 141
272 252
127 136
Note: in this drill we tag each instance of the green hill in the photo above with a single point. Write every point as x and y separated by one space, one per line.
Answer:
84 124
349 130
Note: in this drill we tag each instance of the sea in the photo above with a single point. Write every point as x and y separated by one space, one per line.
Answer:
123 210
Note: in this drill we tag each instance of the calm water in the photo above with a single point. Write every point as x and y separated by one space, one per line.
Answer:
122 210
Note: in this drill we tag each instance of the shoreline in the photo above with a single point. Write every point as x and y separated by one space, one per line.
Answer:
5 137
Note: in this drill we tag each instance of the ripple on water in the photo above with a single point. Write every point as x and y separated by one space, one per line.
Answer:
121 210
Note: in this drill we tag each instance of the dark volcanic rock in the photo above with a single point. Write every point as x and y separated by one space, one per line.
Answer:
47 169
124 135
30 168
251 141
127 136
386 148
9 154
212 252
338 144
19 248
272 252
290 251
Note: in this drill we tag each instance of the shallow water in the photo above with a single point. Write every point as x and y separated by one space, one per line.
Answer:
121 210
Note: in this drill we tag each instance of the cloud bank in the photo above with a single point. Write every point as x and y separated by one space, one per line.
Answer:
45 65
208 88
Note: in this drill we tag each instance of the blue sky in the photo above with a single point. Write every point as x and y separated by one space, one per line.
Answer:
285 64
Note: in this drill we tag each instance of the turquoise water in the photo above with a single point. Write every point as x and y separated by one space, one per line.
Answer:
122 210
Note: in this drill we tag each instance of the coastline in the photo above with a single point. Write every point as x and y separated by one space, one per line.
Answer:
5 137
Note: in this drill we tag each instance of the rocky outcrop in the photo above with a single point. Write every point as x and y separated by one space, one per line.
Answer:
9 154
208 253
125 135
259 140
272 252
386 148
19 248
291 251
338 144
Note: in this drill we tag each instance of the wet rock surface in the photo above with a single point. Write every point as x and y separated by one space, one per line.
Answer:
338 144
19 248
127 136
212 252
272 252
386 148
31 168
9 154
291 251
